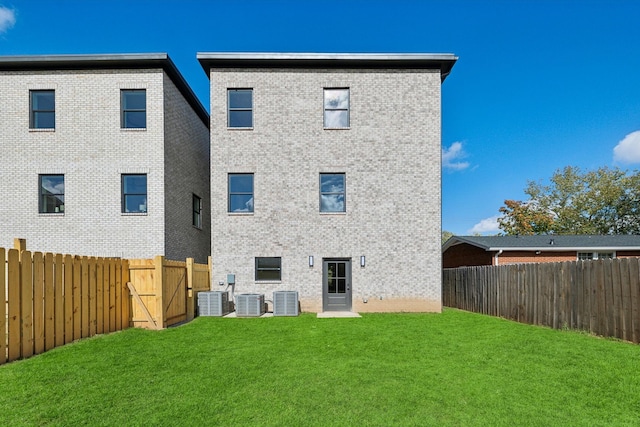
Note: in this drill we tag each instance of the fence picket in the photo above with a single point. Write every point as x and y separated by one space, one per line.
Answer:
625 291
58 284
3 308
38 303
634 288
49 303
68 299
92 296
14 344
26 296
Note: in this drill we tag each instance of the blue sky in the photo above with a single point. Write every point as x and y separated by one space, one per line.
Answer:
540 84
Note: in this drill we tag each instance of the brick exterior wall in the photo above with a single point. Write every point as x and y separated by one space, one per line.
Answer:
92 151
465 255
186 173
391 158
519 257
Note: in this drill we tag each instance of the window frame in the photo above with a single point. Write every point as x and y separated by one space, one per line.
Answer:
325 109
593 256
124 195
231 110
33 112
231 193
330 193
196 211
267 269
124 111
41 195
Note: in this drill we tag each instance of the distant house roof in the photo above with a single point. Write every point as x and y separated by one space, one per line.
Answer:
442 61
548 243
107 61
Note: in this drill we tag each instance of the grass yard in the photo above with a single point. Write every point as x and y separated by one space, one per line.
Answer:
449 369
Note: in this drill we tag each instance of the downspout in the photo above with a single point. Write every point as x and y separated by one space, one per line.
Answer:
496 256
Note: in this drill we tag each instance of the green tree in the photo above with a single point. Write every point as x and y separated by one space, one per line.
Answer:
603 201
524 218
446 235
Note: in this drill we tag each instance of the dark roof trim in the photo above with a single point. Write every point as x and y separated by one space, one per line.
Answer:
442 61
548 243
107 61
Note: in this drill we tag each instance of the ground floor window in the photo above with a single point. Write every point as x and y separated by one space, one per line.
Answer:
134 193
268 268
585 256
51 193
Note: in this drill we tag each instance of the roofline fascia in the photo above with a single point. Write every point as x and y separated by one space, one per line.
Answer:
107 61
458 240
442 61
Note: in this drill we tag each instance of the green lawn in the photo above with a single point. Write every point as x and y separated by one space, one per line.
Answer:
454 368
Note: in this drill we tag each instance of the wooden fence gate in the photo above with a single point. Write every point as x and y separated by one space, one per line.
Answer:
163 291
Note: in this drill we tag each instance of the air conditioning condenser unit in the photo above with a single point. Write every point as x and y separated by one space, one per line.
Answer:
285 303
250 305
213 303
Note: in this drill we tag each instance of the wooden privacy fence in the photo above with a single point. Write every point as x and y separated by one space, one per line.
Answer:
164 291
49 300
602 297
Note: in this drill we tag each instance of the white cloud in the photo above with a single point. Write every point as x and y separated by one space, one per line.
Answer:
487 225
451 157
628 150
7 19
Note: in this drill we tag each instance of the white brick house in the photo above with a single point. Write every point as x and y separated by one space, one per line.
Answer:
103 155
326 177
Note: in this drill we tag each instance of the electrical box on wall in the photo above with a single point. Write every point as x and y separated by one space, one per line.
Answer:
231 279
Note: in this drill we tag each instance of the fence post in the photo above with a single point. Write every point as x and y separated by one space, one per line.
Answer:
190 302
20 244
159 290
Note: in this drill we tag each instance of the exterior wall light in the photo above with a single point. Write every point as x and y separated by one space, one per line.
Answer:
310 260
362 261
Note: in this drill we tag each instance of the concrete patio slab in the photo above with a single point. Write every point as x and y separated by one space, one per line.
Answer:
332 314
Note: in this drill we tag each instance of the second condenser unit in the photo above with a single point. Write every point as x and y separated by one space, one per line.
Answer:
250 305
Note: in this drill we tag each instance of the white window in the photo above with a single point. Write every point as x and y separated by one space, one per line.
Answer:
586 256
336 108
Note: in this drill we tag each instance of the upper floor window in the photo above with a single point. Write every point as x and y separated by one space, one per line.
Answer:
42 114
240 108
240 192
332 192
336 108
134 193
197 211
51 193
133 108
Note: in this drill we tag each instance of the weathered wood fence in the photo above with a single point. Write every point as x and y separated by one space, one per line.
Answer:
49 300
602 297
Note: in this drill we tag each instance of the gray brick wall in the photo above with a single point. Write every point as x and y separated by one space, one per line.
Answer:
391 158
92 151
186 173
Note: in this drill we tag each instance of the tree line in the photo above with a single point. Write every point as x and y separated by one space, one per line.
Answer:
602 201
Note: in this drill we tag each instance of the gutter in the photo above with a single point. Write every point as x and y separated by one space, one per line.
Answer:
496 256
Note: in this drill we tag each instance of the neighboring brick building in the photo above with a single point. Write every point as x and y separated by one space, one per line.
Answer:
326 177
460 251
103 155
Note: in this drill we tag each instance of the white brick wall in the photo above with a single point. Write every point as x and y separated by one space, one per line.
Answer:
92 151
391 157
